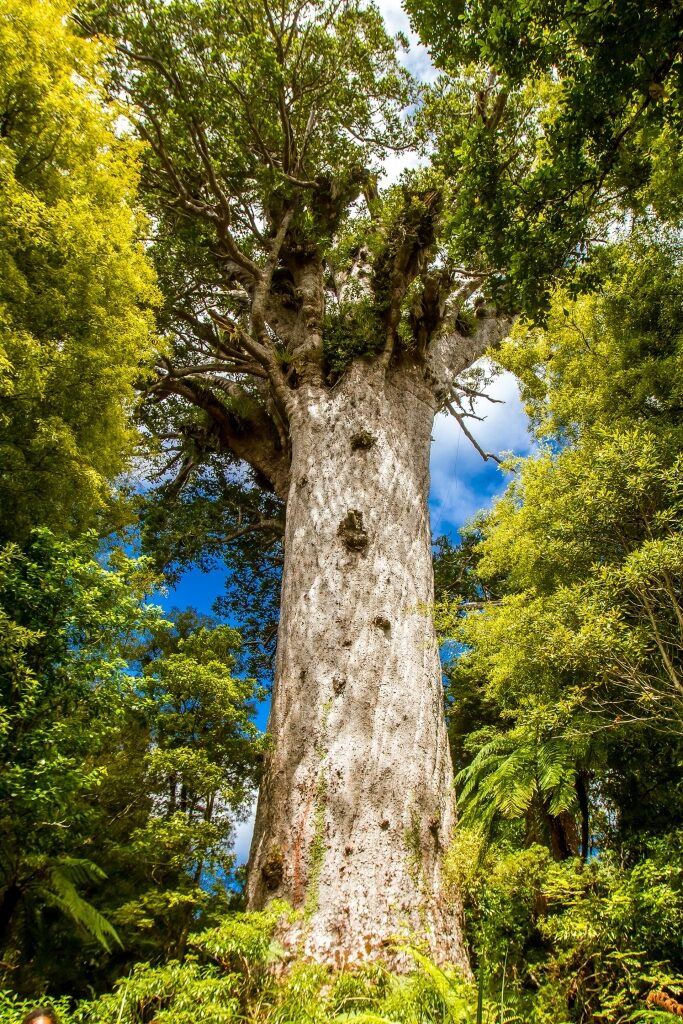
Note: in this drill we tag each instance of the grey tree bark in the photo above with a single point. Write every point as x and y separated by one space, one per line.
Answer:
357 806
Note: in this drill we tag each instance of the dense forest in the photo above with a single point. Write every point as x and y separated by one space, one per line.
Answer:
225 333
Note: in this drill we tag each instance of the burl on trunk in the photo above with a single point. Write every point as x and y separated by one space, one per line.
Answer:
356 807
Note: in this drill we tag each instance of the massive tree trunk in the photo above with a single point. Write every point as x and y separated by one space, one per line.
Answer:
356 807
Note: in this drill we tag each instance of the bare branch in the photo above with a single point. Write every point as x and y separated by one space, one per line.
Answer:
461 420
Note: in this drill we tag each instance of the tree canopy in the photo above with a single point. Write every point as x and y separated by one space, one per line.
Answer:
279 256
578 115
77 327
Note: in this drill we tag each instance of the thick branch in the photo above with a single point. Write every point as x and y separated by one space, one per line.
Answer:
452 352
251 435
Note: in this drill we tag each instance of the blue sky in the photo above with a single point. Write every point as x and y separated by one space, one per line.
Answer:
461 482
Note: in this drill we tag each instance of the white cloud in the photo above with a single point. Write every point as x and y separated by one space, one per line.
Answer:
243 834
416 59
395 18
462 482
504 428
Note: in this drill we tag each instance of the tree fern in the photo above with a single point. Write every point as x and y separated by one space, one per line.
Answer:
58 888
511 771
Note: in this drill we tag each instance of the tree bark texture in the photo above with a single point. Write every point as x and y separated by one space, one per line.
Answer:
356 806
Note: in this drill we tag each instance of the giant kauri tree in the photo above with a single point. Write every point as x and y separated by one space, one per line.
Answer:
316 325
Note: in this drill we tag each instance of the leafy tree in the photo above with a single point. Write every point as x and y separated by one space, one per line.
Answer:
120 784
581 652
64 697
171 849
578 117
75 324
317 323
128 751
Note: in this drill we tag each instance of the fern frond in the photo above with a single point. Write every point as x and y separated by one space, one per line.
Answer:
61 892
455 1003
80 871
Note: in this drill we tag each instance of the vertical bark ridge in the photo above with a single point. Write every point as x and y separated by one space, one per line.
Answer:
357 806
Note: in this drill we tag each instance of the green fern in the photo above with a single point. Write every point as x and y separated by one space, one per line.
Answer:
456 1000
511 771
59 889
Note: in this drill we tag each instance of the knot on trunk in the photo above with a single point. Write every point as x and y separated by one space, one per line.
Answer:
353 534
362 440
382 623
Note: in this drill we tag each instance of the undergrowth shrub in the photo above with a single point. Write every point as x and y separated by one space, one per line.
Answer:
573 943
552 943
175 993
236 973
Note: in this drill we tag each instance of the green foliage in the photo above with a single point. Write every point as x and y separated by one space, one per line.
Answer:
577 942
215 521
228 976
65 694
127 753
353 329
173 994
252 106
64 874
577 110
456 997
613 357
13 1008
513 771
74 330
191 760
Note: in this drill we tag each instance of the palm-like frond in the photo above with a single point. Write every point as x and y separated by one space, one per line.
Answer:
59 889
510 771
